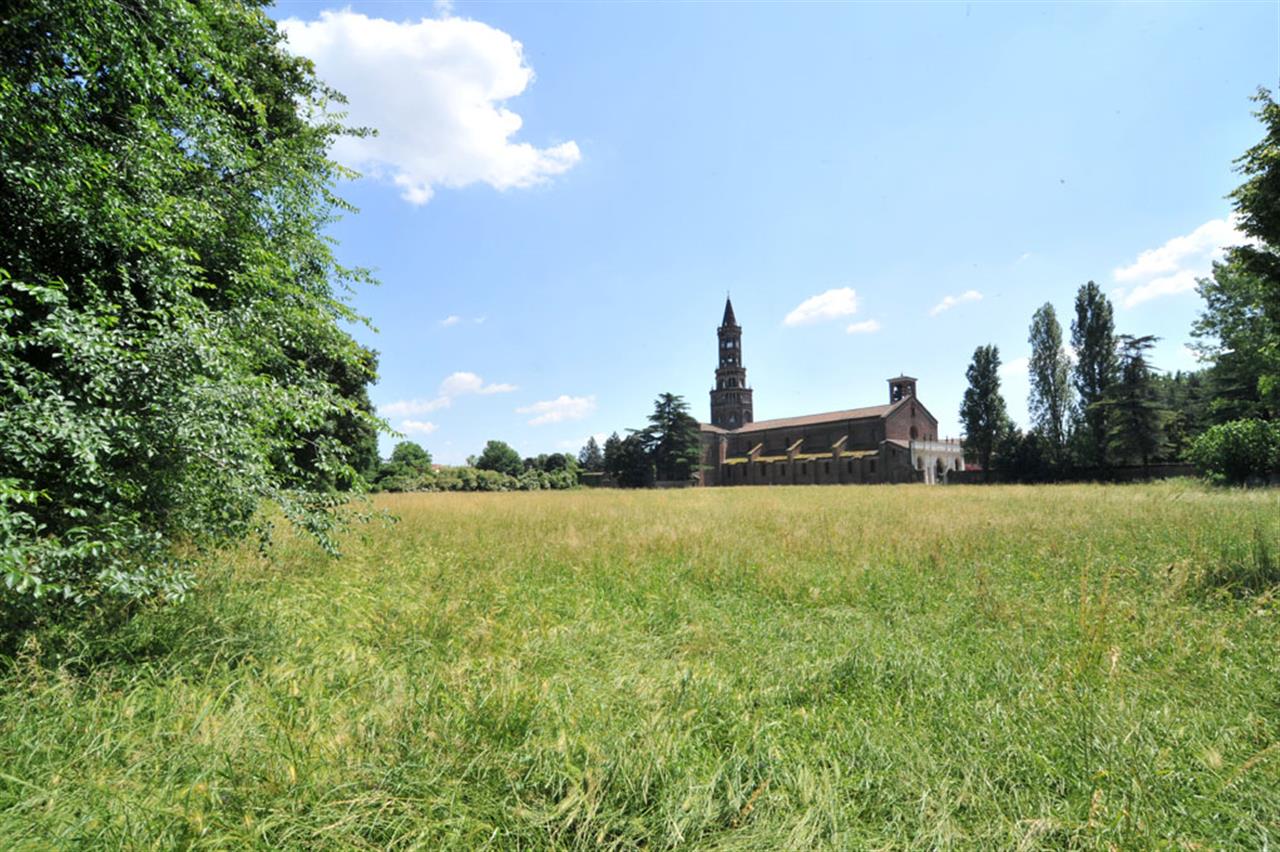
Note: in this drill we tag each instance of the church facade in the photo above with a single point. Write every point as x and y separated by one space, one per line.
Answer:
894 442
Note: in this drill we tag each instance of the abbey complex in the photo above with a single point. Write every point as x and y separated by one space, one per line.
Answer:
894 442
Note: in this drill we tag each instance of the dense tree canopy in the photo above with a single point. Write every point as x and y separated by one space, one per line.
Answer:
171 340
982 411
1093 336
1050 371
501 457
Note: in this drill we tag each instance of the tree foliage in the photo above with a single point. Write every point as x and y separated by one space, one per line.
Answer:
591 458
672 439
171 340
1134 414
501 457
1049 368
1093 336
1238 452
982 412
1240 324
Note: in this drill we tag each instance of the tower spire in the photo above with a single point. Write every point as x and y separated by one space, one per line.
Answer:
730 398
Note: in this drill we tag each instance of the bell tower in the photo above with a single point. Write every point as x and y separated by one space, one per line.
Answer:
731 398
901 387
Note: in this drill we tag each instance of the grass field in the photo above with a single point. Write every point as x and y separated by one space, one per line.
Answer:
849 667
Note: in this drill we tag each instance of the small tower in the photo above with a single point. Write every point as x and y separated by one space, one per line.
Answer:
901 387
730 398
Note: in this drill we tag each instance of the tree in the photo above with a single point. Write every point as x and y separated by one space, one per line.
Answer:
408 469
499 456
1239 339
634 464
1134 412
1093 338
1241 319
172 341
612 455
983 411
1050 371
590 457
672 439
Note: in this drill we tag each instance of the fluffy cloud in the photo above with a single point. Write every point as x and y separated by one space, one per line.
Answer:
865 327
460 384
455 385
949 302
1174 267
833 304
435 90
452 319
417 427
411 407
560 409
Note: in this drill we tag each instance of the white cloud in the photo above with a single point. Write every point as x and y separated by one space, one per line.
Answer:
436 92
865 327
1016 367
452 319
1174 267
560 409
417 427
1168 285
459 384
454 385
411 407
833 304
949 302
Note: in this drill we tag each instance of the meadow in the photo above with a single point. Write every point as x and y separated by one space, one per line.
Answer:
902 667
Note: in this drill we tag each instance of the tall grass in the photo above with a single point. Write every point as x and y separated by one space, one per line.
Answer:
843 667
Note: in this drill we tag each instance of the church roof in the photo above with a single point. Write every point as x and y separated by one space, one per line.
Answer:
729 318
816 419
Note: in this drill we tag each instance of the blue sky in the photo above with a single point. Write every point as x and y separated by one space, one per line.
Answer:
561 195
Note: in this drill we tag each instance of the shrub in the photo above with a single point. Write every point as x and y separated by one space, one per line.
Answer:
1238 452
171 343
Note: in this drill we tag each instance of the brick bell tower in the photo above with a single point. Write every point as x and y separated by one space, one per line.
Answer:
731 398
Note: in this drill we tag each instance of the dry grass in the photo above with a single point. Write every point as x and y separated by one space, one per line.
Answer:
870 667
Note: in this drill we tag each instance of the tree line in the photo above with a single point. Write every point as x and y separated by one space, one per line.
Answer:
1103 404
497 468
668 449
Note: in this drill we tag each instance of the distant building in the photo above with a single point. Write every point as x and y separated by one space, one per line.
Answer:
895 442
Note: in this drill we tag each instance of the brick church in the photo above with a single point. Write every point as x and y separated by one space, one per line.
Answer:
894 442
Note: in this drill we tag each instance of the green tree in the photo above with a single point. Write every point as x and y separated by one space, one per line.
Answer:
499 456
634 463
1093 336
590 457
408 469
1049 368
672 439
1134 412
982 410
1239 339
1240 325
612 455
172 343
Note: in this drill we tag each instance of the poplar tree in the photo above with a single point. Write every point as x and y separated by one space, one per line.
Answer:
983 410
1093 337
1049 402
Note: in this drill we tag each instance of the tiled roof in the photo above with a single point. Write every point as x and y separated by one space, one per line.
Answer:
816 419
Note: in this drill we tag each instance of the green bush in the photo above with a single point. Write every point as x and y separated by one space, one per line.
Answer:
1238 452
172 350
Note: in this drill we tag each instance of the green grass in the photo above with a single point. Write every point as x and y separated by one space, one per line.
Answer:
860 667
